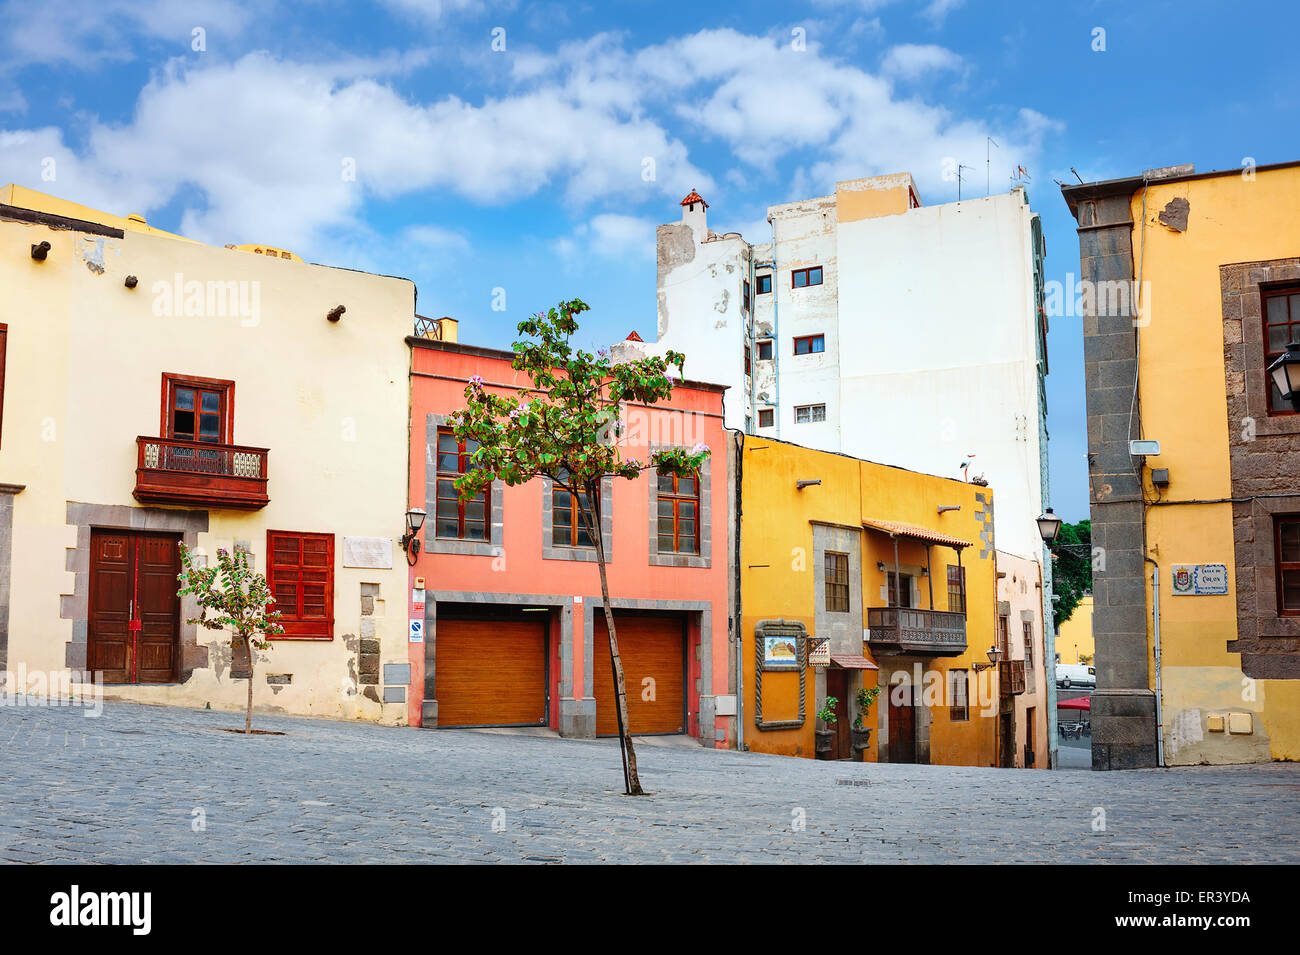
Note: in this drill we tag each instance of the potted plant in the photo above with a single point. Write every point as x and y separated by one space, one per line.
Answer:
826 737
862 734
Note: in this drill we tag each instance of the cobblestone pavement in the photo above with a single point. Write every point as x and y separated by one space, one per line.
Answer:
132 785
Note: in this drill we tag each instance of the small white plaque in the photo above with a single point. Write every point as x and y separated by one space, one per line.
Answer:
374 552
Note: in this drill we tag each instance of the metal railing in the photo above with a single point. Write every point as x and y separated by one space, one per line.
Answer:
201 457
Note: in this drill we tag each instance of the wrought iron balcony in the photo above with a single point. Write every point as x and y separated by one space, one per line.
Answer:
1011 674
903 630
200 474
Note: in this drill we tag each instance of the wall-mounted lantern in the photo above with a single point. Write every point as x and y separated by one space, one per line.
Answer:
1048 525
995 657
410 541
1285 372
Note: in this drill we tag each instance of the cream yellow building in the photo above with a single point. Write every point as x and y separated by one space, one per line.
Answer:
1023 717
1190 289
1074 641
160 392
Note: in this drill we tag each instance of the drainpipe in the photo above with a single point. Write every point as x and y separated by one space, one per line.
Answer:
739 445
1155 623
776 336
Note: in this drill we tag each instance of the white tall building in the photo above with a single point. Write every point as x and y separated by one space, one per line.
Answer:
868 324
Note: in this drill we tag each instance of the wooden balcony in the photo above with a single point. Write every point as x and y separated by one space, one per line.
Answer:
929 633
199 474
1011 674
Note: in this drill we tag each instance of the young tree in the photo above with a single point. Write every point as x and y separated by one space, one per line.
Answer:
232 597
566 426
1072 570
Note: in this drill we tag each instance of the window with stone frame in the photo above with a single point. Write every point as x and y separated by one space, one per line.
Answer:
678 514
456 519
1286 538
1280 311
837 582
958 698
1004 636
1028 629
568 527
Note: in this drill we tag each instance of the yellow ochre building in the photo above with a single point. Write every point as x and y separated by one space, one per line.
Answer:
855 575
1190 290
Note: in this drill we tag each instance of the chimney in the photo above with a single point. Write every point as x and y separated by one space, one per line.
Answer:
693 215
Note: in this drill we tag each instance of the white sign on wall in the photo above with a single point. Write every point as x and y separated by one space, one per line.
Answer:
373 552
417 630
1199 580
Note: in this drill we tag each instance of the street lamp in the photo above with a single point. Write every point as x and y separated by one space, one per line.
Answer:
410 541
995 657
1286 374
1048 525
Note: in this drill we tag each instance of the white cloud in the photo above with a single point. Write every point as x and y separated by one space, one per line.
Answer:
909 61
610 236
769 102
268 143
260 148
937 11
85 33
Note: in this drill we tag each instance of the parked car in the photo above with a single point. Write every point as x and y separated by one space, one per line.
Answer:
1075 674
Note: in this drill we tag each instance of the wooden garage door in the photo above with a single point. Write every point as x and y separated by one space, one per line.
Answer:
651 648
490 673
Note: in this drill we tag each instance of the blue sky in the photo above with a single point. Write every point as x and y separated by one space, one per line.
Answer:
542 168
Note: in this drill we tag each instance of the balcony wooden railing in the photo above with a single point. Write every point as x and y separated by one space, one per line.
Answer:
197 473
895 630
1011 674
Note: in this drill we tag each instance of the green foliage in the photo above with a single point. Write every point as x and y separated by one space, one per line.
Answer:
827 713
865 698
566 425
231 596
1071 568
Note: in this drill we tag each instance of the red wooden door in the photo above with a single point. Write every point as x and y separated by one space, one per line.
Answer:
837 685
902 728
134 614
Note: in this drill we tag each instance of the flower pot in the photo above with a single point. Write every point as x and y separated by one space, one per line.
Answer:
861 739
825 742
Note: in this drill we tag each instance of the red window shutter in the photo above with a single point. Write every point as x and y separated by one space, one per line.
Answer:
300 571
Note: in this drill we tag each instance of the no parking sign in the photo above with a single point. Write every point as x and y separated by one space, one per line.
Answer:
417 630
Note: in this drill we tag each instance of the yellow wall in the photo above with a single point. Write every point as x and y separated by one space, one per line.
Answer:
873 197
85 362
777 580
1075 635
1183 402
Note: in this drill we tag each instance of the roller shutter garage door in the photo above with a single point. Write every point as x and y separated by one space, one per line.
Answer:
649 647
490 673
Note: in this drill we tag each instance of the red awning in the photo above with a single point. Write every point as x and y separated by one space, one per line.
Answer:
1078 703
916 532
852 661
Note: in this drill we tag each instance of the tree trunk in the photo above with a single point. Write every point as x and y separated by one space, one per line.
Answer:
631 779
248 710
